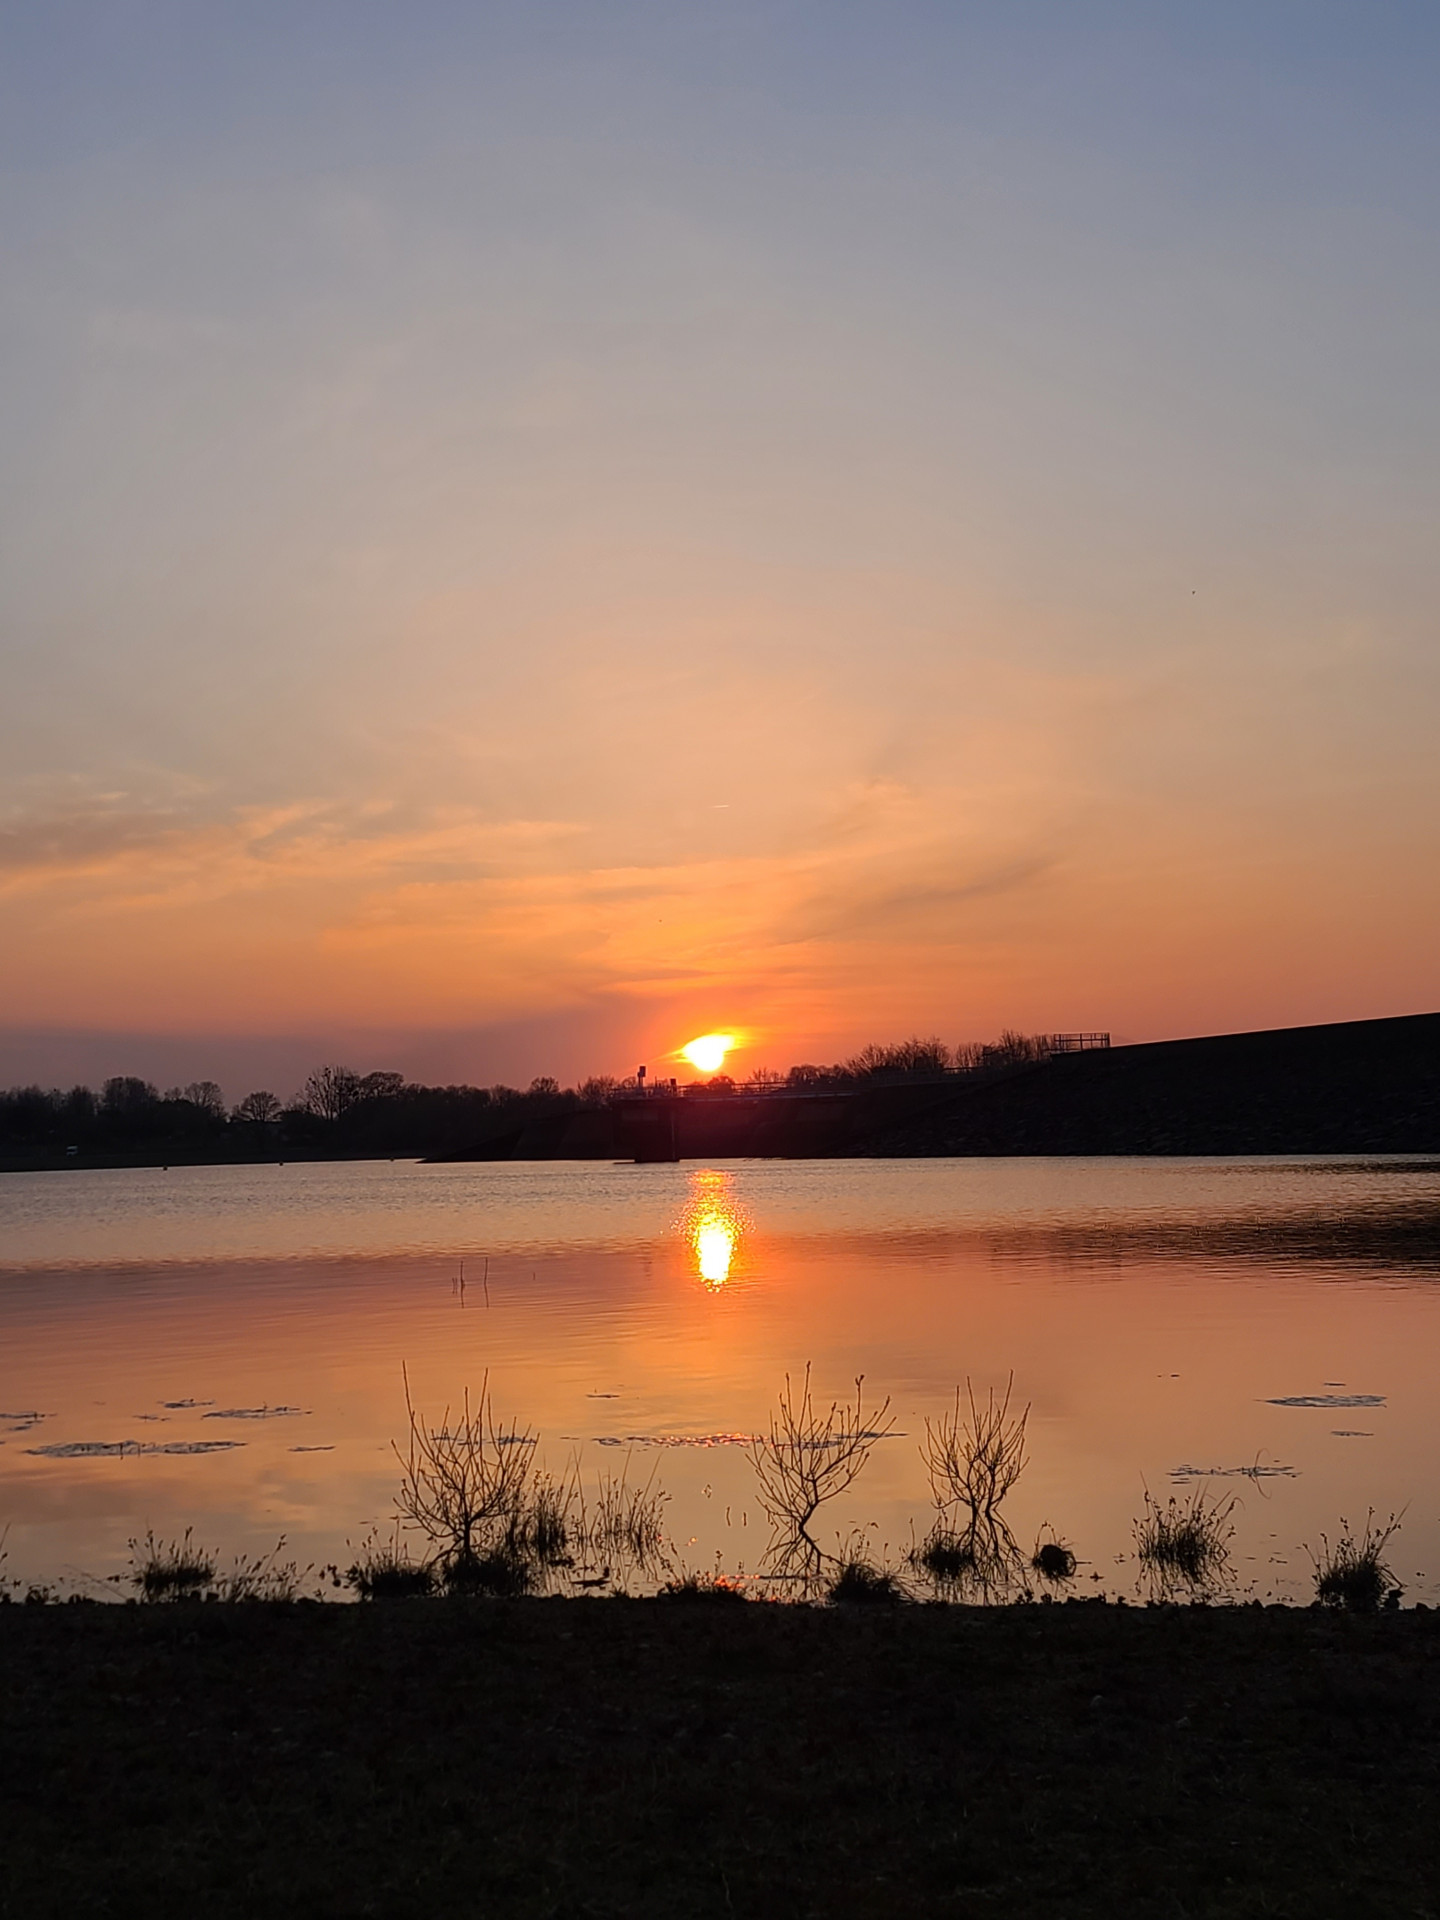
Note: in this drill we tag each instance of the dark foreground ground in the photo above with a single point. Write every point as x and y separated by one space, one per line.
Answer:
577 1758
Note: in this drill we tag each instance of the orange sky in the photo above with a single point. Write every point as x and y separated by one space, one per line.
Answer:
531 558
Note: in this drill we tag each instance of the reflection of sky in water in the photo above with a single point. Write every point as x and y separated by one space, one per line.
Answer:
1200 1317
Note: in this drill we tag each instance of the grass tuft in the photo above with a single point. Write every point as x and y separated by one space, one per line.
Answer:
264 1578
703 1589
170 1570
1353 1575
1053 1559
948 1558
1186 1540
383 1570
858 1584
541 1525
499 1574
628 1521
167 1571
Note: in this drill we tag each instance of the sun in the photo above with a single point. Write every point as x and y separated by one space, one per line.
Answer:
709 1051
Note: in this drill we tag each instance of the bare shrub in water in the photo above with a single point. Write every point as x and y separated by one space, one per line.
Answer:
1353 1574
974 1454
1186 1541
464 1480
806 1459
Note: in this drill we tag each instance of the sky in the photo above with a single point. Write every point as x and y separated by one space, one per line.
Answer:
532 531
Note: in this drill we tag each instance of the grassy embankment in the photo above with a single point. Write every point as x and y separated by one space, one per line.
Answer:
611 1757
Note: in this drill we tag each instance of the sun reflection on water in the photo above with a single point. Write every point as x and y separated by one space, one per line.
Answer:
714 1223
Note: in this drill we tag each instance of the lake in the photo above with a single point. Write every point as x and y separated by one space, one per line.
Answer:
223 1347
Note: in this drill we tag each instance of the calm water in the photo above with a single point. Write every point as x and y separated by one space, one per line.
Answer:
1155 1314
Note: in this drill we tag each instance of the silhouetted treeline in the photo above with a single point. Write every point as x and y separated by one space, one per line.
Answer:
339 1112
924 1059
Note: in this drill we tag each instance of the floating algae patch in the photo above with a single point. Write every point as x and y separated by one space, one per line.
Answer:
329 1449
704 1439
1253 1472
1329 1400
254 1413
116 1449
184 1406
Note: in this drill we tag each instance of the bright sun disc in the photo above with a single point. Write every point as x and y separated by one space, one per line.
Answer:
709 1051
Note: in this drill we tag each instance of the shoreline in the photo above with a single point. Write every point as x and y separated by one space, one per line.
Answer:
635 1757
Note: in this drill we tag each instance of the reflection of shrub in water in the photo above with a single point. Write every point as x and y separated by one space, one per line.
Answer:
1186 1542
1353 1574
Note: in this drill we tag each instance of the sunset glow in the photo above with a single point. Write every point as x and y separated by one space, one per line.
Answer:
868 634
714 1221
715 1249
709 1051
